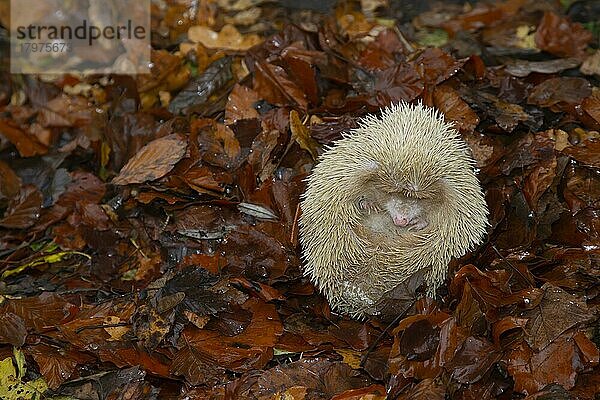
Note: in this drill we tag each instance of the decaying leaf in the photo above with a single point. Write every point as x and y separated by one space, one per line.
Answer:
153 161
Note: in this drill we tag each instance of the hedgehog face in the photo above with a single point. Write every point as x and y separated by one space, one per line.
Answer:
390 202
392 213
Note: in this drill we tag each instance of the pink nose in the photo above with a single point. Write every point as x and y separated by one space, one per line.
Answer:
400 220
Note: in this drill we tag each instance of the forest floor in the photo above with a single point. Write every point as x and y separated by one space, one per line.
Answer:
148 223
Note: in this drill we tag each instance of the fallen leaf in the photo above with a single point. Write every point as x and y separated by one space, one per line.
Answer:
455 109
560 90
273 84
24 210
522 68
559 36
26 144
301 135
472 360
228 38
240 104
152 161
558 312
12 329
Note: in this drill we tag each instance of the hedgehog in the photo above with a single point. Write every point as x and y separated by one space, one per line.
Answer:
395 196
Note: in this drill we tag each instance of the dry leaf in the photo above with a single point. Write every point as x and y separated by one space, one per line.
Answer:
228 38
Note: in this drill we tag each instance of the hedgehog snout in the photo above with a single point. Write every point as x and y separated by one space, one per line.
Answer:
406 214
401 220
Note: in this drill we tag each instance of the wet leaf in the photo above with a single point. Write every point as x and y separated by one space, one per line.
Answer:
398 83
559 36
472 360
522 68
26 144
587 152
558 312
560 90
302 135
12 329
419 341
196 367
240 104
57 366
273 84
455 109
9 182
199 89
153 161
24 210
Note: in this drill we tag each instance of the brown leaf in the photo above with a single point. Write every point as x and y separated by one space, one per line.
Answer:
395 84
506 114
240 104
12 329
38 313
319 375
522 68
27 145
587 152
217 144
260 290
588 351
57 365
472 360
428 389
557 363
455 109
273 84
10 183
358 335
230 144
468 312
247 350
196 367
419 341
482 15
153 161
84 186
559 36
558 312
300 64
372 392
490 288
435 65
591 105
538 181
560 90
66 111
24 210
330 129
507 330
582 189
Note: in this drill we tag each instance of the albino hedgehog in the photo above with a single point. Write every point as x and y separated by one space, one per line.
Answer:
396 195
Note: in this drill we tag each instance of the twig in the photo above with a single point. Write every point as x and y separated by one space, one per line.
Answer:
385 331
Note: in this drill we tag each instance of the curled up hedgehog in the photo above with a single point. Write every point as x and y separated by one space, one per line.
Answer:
393 197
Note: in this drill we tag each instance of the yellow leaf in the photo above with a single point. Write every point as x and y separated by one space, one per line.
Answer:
302 136
11 386
351 357
229 38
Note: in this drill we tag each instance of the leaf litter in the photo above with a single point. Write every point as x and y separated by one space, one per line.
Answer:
148 224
